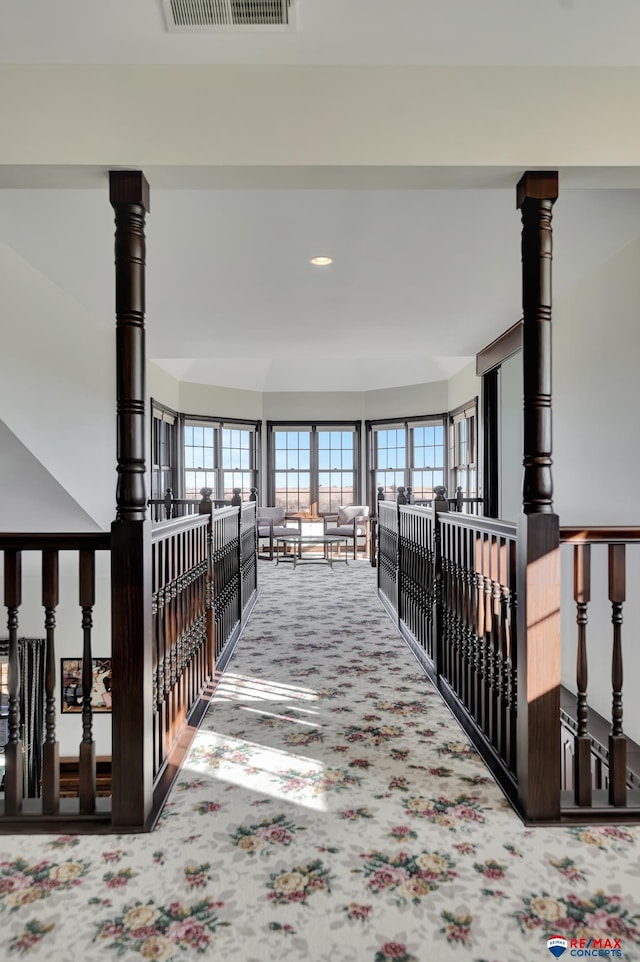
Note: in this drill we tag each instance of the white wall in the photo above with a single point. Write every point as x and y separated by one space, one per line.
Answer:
57 453
274 115
596 341
163 387
414 399
30 497
463 387
321 406
57 387
219 401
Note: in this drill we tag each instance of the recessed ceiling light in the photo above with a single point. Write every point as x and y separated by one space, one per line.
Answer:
321 261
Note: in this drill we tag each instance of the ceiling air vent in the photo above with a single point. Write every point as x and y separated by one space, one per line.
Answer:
203 16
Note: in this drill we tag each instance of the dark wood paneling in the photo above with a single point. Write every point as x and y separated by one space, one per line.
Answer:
132 677
490 461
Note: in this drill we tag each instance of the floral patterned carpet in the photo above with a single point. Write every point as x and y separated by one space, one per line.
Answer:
330 810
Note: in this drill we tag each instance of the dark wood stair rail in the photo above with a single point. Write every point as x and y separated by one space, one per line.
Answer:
164 509
182 657
49 546
619 796
450 582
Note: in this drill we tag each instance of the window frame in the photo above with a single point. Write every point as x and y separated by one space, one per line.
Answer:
219 424
162 473
314 427
408 424
465 413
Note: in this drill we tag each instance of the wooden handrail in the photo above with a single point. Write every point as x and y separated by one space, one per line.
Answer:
73 541
165 529
574 534
479 523
227 511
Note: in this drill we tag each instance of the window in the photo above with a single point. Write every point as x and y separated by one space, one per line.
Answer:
199 460
462 451
335 470
427 459
292 479
409 453
163 450
220 456
313 469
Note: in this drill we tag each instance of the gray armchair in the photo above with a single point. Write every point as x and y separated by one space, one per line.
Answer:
274 523
352 522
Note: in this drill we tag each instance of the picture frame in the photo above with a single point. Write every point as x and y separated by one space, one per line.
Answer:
71 694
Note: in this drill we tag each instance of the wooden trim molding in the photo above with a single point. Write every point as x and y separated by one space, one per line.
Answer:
504 347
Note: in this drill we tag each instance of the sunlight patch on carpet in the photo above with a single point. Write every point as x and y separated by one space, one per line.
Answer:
268 771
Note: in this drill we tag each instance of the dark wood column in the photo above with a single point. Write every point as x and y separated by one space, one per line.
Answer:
538 559
131 589
491 434
129 196
537 192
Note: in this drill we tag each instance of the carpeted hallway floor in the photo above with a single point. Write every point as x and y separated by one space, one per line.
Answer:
330 810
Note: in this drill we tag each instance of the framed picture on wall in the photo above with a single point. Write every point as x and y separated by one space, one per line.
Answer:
71 681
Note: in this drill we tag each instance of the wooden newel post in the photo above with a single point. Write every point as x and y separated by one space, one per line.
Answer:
538 549
131 588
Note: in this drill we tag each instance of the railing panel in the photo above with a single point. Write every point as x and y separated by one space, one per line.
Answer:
388 546
248 552
32 783
179 622
416 579
601 780
470 649
225 576
478 561
451 579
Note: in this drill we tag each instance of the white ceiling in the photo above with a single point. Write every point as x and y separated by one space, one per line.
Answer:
426 266
451 32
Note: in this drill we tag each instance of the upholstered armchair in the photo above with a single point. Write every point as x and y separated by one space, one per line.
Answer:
274 523
352 522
